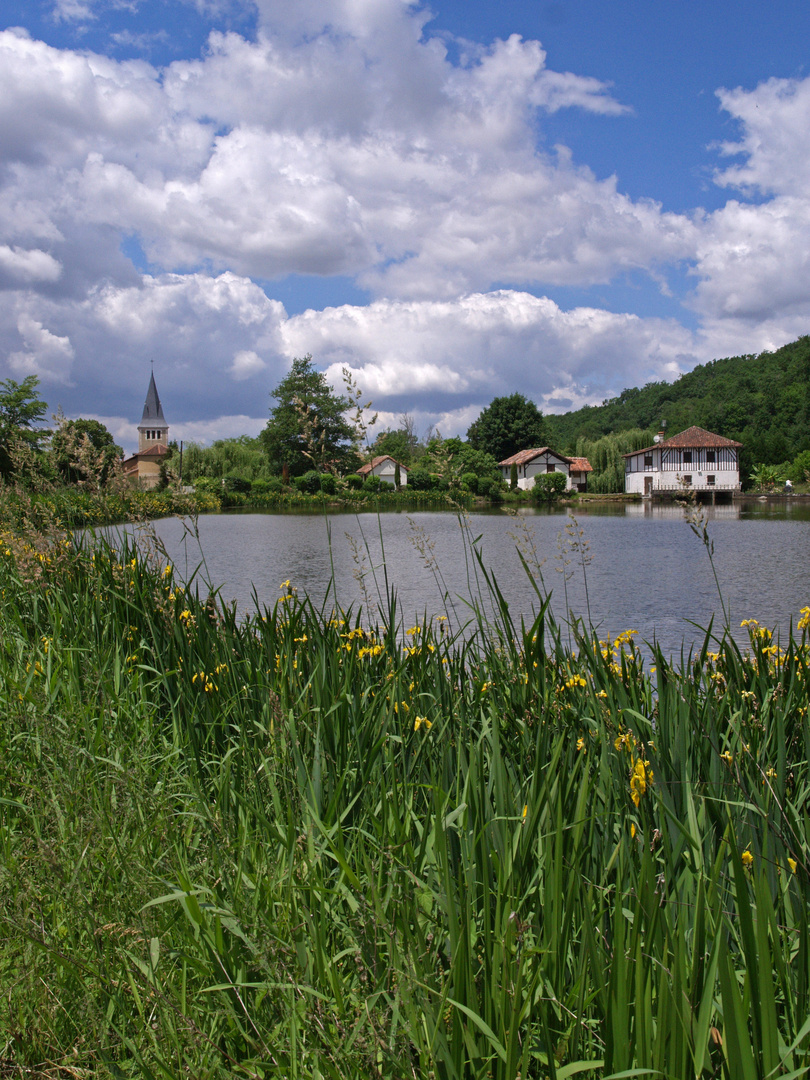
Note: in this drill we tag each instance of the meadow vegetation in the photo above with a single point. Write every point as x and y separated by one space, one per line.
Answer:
307 842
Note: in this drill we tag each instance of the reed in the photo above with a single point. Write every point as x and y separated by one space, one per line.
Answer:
298 844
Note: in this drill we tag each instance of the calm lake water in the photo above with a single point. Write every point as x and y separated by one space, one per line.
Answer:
645 569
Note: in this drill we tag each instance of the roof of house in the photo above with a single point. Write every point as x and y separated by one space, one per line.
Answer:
156 451
369 465
523 457
581 464
690 438
152 410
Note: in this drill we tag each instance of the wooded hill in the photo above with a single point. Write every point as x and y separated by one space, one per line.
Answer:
763 401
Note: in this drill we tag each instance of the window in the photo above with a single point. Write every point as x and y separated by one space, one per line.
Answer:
648 461
710 480
687 457
687 480
710 457
550 468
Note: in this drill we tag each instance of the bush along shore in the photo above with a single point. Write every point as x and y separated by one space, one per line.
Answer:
311 843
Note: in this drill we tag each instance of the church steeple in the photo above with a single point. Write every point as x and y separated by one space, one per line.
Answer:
153 429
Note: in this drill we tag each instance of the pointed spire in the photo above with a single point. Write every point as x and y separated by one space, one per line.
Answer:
152 410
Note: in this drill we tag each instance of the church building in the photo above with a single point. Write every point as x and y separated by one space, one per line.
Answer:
153 442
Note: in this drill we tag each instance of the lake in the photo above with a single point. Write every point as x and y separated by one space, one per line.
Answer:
638 566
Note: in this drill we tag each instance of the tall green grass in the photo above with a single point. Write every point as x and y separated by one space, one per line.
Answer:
296 845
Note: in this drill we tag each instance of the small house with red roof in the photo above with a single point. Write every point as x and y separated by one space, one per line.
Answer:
385 467
153 442
537 462
578 471
693 460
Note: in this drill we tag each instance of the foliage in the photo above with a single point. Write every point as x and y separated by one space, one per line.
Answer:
799 471
233 482
400 444
422 480
489 488
71 443
454 458
354 481
605 457
242 456
513 476
766 477
21 408
548 487
296 845
507 426
309 482
307 429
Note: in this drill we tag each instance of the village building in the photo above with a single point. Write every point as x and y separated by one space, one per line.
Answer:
153 442
386 468
578 471
533 463
693 460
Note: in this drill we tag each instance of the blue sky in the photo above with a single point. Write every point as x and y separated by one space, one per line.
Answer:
564 197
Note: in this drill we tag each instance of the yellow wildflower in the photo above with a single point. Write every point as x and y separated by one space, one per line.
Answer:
419 721
792 864
747 859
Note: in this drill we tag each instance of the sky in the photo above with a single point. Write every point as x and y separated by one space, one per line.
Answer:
453 201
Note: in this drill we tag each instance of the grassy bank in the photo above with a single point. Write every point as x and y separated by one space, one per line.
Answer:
299 845
47 507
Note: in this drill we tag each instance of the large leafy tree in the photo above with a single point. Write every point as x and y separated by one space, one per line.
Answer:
21 408
70 445
506 426
307 428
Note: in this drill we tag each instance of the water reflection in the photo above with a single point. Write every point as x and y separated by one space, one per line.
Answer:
643 566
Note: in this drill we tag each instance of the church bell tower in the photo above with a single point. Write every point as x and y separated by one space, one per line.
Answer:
153 429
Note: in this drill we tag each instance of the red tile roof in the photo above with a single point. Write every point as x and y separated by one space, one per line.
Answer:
364 470
691 437
523 457
156 451
581 464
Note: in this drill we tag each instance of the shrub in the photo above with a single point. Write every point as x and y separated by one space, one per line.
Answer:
309 483
328 483
471 482
236 484
548 487
274 486
487 486
353 481
799 471
372 484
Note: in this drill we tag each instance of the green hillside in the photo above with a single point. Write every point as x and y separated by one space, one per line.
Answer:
763 401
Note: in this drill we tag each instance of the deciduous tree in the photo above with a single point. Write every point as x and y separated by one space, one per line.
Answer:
21 408
307 427
508 425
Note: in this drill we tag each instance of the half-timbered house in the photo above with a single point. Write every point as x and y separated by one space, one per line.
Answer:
532 463
692 460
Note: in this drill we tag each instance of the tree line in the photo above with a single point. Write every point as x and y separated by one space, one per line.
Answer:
762 401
